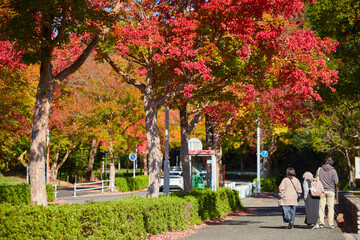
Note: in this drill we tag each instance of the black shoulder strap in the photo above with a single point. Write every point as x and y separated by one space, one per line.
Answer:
293 185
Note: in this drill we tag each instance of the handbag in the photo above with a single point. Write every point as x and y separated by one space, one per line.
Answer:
298 195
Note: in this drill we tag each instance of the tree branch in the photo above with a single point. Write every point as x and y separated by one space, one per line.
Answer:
126 76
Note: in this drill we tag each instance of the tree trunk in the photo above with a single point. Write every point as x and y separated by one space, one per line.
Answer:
91 160
351 172
209 132
112 168
186 127
218 151
119 162
153 140
42 111
184 150
55 166
266 171
53 171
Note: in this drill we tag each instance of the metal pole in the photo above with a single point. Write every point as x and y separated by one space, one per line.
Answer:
27 174
105 164
75 188
47 157
135 162
213 173
166 161
258 158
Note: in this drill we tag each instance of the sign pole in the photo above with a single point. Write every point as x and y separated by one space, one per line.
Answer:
258 158
166 160
47 156
135 162
106 164
134 168
133 158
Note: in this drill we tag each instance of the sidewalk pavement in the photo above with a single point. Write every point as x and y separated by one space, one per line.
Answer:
264 221
65 195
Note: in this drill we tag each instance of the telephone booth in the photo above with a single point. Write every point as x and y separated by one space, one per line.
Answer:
206 168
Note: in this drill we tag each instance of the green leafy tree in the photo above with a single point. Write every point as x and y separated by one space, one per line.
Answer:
335 130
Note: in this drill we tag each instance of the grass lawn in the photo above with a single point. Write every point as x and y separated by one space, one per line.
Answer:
11 180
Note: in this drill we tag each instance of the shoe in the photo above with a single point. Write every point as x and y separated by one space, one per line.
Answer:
332 226
291 225
316 226
321 225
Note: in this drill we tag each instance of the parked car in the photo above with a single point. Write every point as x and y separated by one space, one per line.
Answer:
176 169
176 181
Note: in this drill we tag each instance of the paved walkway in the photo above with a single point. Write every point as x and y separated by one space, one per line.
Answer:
265 222
65 195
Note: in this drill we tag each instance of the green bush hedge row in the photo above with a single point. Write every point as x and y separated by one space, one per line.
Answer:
212 204
128 218
124 184
20 193
270 184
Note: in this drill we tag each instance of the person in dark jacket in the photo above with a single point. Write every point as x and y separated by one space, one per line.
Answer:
329 178
311 203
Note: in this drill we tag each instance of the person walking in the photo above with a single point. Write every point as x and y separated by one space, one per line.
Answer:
329 178
311 203
289 191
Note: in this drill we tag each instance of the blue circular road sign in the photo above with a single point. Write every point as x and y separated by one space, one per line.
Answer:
132 157
264 153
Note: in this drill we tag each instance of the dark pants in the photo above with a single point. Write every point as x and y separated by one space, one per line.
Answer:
289 213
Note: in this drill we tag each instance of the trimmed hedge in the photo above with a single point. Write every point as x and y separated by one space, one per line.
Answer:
129 218
16 194
124 184
213 205
270 184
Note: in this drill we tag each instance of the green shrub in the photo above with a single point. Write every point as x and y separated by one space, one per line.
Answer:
124 184
344 184
50 192
212 204
121 184
128 218
230 199
270 184
20 193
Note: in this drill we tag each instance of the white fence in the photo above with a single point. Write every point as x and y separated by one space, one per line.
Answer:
91 188
55 191
244 190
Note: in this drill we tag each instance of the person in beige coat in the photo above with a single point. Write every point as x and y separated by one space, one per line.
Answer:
289 191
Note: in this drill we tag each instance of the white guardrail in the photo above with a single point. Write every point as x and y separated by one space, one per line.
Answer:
245 190
91 188
55 191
